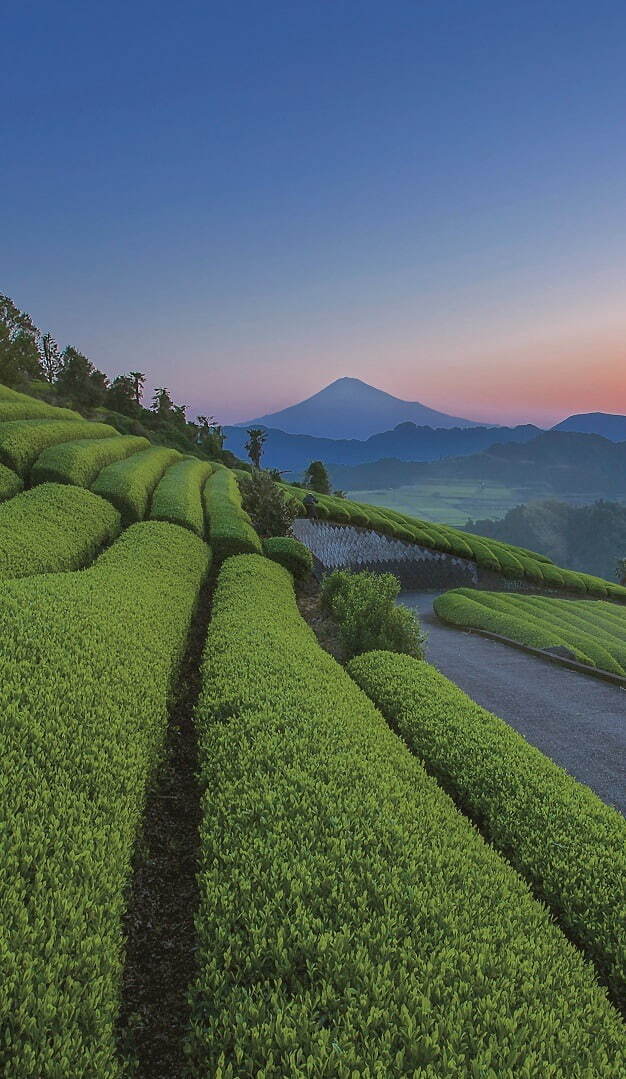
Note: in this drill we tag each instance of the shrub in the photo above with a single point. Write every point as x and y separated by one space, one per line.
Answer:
564 840
80 462
270 512
178 497
53 528
290 553
351 921
10 483
129 483
230 529
88 663
21 441
365 608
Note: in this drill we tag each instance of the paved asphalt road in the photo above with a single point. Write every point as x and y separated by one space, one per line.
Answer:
577 720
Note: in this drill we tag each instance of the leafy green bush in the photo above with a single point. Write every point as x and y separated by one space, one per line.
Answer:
53 528
564 840
290 553
365 608
351 921
22 441
129 483
230 528
594 632
10 483
178 497
80 462
88 662
270 511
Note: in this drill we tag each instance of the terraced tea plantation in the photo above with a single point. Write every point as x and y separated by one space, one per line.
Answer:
386 880
592 632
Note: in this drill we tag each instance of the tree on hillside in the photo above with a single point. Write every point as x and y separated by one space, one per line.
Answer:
51 361
162 403
19 351
80 381
210 436
621 571
139 379
254 445
121 396
316 478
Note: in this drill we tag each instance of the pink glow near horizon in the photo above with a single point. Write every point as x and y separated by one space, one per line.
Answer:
540 386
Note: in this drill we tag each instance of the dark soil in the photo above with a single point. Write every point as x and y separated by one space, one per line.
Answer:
159 925
324 626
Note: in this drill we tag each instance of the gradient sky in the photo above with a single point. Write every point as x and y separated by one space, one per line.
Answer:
250 199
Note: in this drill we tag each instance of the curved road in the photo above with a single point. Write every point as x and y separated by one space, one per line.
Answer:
577 720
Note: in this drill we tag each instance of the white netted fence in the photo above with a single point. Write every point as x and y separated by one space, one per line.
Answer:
336 546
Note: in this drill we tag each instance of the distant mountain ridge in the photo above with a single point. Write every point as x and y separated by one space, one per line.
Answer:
607 424
406 442
563 462
350 408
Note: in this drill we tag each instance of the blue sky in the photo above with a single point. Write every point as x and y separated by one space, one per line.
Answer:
248 200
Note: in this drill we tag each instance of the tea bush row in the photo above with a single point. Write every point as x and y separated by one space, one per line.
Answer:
351 921
10 483
88 664
54 528
178 496
32 409
230 529
593 632
129 483
81 461
515 563
562 838
290 553
22 441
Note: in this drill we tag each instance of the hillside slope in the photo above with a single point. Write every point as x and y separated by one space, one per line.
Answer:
607 424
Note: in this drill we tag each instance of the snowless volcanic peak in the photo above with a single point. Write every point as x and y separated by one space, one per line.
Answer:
350 408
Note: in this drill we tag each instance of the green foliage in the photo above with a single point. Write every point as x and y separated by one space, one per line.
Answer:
80 462
351 921
490 554
565 842
79 381
316 477
254 445
19 345
593 632
583 538
290 553
32 409
53 528
21 441
364 605
88 662
271 512
178 497
129 483
230 528
10 483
